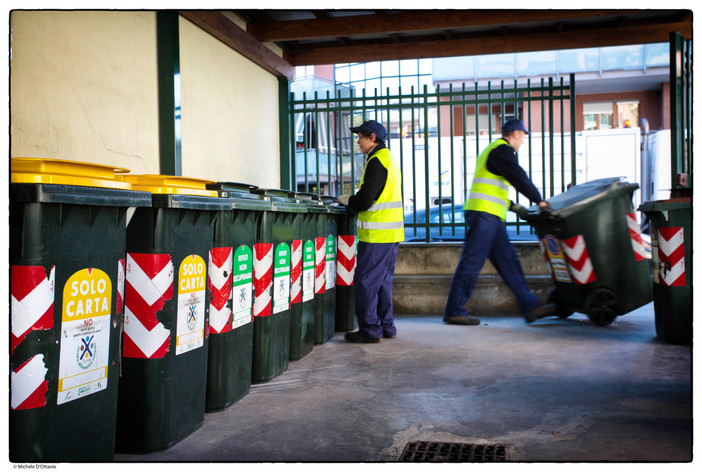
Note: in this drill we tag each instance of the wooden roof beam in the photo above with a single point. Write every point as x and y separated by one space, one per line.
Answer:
495 43
409 21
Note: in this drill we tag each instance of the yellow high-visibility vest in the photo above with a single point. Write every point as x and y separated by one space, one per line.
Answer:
383 222
489 192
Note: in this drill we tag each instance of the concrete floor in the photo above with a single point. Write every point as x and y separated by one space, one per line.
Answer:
557 390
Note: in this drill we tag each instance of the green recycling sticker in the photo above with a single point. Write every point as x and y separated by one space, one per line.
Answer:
308 271
331 263
281 278
242 284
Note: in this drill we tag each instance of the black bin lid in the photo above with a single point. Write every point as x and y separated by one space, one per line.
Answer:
580 196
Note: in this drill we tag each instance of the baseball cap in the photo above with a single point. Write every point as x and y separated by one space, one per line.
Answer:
513 125
372 126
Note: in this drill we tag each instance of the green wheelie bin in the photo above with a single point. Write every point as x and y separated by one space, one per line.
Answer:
325 273
671 250
345 267
592 243
317 219
272 268
302 288
164 352
231 295
335 212
67 251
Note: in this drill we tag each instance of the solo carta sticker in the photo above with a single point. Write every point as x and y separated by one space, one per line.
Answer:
85 335
192 278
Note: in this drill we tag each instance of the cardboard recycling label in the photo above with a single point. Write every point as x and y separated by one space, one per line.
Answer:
308 271
242 286
85 335
557 259
330 271
192 282
282 258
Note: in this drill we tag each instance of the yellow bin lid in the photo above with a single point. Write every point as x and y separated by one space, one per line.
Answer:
28 170
169 184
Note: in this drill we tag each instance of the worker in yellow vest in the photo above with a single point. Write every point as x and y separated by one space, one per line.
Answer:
380 226
485 208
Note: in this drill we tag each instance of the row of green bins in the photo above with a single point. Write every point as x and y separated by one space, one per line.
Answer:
671 250
345 269
231 295
67 246
303 277
335 214
272 264
592 242
164 359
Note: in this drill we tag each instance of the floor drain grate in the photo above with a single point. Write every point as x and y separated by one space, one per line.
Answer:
427 451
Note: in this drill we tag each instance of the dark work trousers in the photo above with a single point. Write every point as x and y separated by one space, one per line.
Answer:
487 239
375 267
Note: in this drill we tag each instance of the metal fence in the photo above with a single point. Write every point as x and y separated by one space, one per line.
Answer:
435 136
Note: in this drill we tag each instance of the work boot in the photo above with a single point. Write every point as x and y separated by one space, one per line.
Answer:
360 337
462 320
541 312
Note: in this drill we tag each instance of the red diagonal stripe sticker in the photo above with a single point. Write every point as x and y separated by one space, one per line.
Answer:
29 385
32 301
130 349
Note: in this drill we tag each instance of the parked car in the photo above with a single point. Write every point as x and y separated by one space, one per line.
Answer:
448 224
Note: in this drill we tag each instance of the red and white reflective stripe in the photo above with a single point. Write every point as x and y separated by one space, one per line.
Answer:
120 286
345 260
32 301
149 284
579 260
296 272
263 278
637 243
220 285
320 261
671 257
29 385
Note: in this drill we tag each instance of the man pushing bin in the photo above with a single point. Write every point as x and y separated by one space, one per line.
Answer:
485 209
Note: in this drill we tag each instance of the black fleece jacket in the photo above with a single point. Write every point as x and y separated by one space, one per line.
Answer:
503 161
373 183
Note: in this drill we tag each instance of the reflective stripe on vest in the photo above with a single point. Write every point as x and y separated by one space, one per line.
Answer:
488 192
383 222
378 225
385 206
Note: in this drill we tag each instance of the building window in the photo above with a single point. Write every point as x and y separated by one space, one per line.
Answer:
608 115
628 114
304 71
598 115
386 75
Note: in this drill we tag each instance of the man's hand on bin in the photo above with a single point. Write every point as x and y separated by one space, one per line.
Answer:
544 206
343 199
520 210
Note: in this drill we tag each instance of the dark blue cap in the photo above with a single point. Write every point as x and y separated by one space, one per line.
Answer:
513 125
372 126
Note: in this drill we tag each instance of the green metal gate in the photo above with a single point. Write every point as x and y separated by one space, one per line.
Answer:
436 137
681 115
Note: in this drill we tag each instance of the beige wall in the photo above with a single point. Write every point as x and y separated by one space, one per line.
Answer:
83 87
230 113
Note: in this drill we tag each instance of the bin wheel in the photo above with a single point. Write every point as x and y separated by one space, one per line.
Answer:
602 306
561 310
